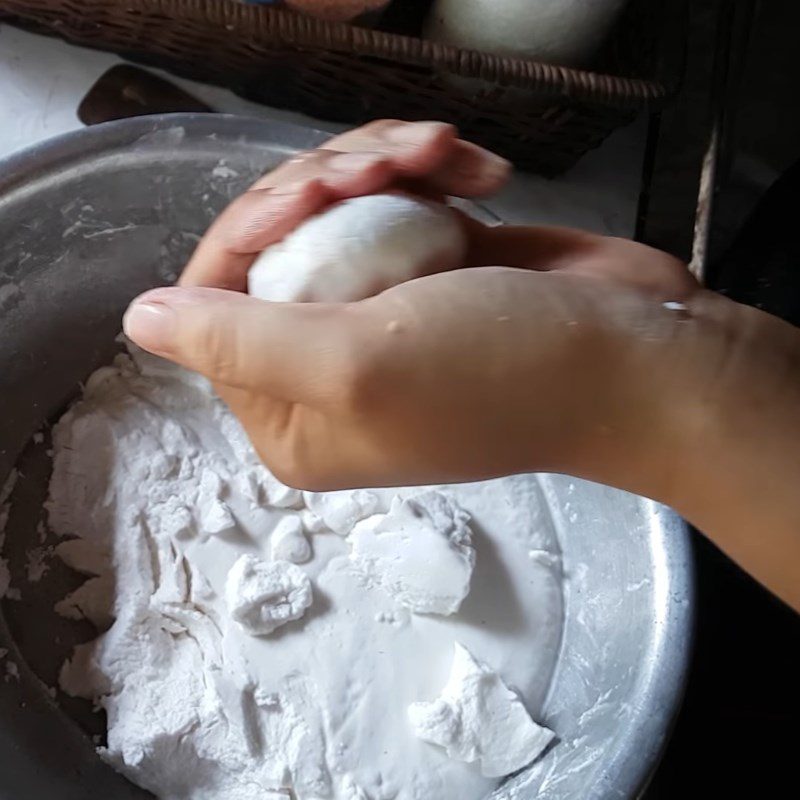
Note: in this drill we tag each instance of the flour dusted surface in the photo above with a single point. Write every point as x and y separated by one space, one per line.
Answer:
478 718
160 486
420 553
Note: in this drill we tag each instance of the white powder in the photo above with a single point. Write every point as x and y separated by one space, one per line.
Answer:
420 553
478 718
165 495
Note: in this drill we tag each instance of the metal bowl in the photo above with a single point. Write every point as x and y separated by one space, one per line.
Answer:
90 219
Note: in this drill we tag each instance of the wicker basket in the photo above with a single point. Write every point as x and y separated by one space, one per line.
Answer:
542 117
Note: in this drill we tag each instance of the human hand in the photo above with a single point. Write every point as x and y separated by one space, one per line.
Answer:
297 377
572 362
426 159
431 322
429 160
457 376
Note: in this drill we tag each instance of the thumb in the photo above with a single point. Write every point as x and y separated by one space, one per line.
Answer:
289 351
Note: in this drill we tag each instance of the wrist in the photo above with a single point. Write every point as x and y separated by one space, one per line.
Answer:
643 408
740 404
667 378
734 455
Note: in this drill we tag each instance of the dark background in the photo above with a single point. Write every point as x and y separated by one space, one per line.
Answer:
738 734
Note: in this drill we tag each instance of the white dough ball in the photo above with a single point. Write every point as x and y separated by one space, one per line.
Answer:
358 248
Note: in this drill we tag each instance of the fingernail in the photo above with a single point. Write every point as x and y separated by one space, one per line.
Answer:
355 162
151 318
489 167
496 166
150 325
416 133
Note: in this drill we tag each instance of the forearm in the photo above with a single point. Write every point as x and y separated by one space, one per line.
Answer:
706 414
742 477
723 448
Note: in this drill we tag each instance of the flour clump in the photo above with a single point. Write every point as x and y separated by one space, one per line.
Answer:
340 511
263 595
478 718
289 542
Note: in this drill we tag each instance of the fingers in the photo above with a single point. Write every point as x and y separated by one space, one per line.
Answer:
426 157
470 171
226 252
285 351
342 171
430 151
413 147
265 214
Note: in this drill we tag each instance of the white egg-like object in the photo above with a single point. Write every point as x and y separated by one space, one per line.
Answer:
358 248
565 32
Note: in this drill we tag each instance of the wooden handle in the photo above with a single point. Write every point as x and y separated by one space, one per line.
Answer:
125 91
